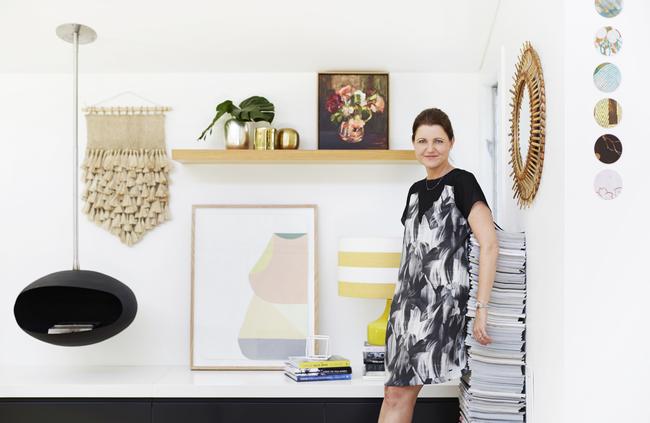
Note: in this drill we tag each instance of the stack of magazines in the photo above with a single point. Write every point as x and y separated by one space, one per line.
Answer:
494 388
305 369
373 361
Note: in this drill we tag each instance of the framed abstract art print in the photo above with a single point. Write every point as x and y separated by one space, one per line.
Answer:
254 285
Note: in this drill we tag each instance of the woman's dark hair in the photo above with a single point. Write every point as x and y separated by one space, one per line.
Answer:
433 117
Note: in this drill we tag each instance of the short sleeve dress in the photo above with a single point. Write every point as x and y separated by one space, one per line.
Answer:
425 336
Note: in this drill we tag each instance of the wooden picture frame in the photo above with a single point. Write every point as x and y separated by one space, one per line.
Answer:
254 285
353 110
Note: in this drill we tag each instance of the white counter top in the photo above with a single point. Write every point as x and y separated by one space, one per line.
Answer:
180 382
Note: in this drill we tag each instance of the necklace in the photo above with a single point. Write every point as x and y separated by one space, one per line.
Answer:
426 182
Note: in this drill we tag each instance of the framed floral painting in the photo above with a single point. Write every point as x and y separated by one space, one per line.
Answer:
352 111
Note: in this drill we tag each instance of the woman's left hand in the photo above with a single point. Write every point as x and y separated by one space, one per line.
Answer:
480 323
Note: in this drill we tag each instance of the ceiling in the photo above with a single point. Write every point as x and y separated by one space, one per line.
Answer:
146 36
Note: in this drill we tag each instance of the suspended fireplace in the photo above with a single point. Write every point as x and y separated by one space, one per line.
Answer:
75 307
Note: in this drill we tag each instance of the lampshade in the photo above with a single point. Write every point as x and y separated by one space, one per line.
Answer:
368 267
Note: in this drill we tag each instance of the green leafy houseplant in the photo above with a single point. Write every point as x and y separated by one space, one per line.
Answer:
253 109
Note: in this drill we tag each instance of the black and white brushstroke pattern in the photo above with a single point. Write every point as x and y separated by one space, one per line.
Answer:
425 337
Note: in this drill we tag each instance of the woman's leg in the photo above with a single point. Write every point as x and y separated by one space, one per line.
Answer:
398 404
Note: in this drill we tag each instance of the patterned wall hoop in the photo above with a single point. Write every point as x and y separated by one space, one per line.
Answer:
608 41
607 77
527 175
608 8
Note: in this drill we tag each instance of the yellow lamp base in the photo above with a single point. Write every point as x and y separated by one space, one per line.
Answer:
377 328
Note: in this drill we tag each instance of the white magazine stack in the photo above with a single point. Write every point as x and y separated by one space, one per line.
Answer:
494 388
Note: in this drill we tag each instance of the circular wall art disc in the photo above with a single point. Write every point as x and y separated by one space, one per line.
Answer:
608 148
608 113
608 41
607 77
609 8
608 184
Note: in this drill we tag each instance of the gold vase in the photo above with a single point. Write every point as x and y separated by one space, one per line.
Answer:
288 139
265 138
236 134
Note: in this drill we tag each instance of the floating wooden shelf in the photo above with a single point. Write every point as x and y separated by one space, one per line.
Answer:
293 156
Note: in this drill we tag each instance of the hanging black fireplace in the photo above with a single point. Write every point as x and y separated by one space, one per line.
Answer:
75 307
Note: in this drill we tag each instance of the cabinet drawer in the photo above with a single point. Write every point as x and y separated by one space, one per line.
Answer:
437 410
352 412
236 412
76 411
367 411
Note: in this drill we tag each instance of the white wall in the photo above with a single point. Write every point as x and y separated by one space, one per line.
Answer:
606 288
517 22
35 183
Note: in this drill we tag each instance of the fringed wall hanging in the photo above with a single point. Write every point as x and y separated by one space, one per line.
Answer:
126 170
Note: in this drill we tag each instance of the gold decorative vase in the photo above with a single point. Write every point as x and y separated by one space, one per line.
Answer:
236 134
288 139
265 138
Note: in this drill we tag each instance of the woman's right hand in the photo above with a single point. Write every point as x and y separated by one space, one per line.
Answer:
480 322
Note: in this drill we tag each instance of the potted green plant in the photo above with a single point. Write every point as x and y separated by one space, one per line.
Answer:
253 109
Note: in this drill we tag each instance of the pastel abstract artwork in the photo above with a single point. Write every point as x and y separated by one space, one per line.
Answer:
253 285
608 148
608 113
607 77
277 318
608 41
608 184
609 8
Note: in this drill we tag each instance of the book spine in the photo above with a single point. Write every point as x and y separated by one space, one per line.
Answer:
374 356
374 366
334 371
321 364
301 378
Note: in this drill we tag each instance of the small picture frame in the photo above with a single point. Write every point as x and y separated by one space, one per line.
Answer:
318 347
353 111
254 286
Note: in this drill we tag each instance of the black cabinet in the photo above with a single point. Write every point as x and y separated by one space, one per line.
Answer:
216 410
237 411
366 410
73 411
437 410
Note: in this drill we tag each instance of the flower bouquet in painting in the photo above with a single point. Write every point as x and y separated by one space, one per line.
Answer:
353 111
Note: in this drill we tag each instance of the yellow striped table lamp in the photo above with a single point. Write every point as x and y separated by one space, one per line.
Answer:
367 268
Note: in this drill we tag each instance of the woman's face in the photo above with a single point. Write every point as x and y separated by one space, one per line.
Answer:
432 145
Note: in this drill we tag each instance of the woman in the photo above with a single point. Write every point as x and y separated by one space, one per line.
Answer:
425 337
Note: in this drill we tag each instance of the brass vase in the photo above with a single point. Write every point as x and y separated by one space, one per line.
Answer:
288 139
236 134
265 138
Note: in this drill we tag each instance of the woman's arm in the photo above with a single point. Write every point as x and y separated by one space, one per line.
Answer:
481 222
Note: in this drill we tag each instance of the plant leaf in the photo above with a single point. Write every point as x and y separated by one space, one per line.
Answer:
257 109
222 108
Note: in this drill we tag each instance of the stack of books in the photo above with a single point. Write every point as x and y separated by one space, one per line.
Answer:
494 389
373 361
305 369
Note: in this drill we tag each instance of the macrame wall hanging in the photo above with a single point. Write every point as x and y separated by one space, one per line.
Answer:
126 170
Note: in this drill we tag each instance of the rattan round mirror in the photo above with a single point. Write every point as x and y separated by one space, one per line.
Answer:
528 115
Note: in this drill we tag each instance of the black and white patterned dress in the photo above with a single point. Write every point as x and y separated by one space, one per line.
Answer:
425 337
